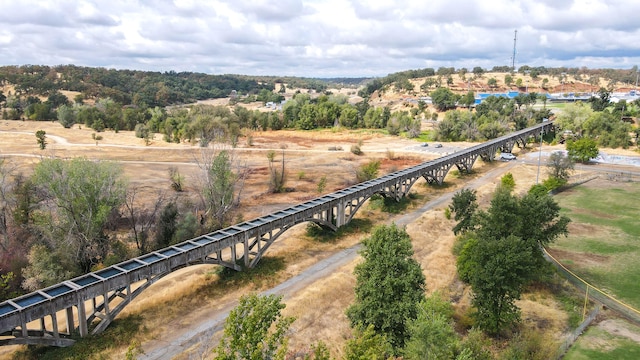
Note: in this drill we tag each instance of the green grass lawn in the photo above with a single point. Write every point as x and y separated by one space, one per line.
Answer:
599 344
607 232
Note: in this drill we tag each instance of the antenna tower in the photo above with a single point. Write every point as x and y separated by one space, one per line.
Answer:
513 57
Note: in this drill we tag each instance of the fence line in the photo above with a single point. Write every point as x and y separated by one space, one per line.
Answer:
577 332
594 293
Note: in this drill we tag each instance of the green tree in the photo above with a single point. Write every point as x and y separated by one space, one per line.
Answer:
390 284
600 102
66 116
41 138
497 280
504 253
508 80
255 330
221 183
368 345
166 225
582 150
79 196
432 335
507 181
478 71
468 99
464 205
444 99
492 82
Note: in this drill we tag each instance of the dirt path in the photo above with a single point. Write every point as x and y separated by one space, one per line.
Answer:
199 334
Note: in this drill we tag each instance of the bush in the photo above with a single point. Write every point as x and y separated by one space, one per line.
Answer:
355 149
368 171
447 213
553 183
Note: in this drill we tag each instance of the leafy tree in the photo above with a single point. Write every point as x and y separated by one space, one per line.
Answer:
255 330
46 267
390 284
478 71
444 99
66 116
508 80
41 138
368 345
432 335
492 82
559 166
600 102
277 177
505 253
582 150
468 99
166 225
79 197
56 99
508 182
573 117
221 185
518 82
475 346
463 205
497 280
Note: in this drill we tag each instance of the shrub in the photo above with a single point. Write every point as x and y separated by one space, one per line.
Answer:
355 149
368 171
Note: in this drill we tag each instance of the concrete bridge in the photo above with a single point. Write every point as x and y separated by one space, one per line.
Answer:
89 303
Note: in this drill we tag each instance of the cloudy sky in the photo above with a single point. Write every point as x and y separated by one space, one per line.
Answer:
318 38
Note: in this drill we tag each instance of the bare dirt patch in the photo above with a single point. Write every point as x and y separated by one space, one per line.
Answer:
620 327
585 259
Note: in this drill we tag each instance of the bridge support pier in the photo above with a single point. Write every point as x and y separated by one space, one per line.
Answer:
466 164
82 319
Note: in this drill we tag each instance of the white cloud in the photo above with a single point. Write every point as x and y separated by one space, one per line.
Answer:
318 37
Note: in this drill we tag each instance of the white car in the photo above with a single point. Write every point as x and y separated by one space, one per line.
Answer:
507 156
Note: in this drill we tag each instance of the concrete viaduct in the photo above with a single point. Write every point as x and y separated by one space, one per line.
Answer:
89 303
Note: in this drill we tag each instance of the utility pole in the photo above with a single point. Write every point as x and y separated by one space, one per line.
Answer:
513 57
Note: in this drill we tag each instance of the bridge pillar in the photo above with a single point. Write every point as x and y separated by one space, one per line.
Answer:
54 322
340 218
466 164
69 319
247 261
234 255
82 319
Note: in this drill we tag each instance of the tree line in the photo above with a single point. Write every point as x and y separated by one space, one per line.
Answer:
140 88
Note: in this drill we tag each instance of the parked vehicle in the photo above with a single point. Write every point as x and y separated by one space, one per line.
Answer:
507 156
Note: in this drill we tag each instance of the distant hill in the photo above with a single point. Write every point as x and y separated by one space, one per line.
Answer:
145 87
